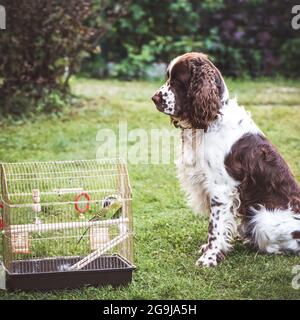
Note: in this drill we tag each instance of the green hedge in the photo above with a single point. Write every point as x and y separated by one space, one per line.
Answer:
244 38
42 48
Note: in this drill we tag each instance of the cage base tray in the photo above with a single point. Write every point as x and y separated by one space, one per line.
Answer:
52 273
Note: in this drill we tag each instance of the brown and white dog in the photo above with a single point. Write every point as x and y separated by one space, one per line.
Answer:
241 174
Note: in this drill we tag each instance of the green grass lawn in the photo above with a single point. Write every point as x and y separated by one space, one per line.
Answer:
167 233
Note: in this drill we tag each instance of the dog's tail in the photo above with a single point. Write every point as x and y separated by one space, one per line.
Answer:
275 231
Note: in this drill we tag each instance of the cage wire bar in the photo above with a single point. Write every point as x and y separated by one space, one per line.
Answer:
66 216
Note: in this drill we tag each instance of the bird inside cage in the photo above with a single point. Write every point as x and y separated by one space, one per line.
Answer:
111 209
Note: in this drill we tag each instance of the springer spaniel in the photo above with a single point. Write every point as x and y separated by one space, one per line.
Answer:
228 168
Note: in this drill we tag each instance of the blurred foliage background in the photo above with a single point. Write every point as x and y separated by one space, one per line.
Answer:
42 47
243 37
48 41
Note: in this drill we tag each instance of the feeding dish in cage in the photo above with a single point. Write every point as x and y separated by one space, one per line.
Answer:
47 244
99 236
20 242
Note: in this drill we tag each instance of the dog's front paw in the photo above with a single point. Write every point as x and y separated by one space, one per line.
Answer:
210 258
204 248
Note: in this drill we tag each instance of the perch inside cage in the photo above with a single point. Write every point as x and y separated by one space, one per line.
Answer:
66 224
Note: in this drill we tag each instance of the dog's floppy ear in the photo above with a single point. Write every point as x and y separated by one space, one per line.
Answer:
205 93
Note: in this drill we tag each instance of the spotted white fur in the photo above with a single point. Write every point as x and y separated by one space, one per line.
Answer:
168 99
166 94
204 177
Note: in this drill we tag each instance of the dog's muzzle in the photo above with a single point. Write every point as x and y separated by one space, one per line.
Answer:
158 101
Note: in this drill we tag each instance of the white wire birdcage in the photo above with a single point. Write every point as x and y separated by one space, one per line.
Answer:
66 217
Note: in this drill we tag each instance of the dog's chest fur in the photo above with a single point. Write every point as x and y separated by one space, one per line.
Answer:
200 164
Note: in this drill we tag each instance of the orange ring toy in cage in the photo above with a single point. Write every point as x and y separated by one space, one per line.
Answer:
87 205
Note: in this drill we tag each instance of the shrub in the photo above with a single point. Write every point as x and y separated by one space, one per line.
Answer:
151 31
42 48
290 57
245 37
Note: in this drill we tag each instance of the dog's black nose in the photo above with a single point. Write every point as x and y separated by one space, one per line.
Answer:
156 99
